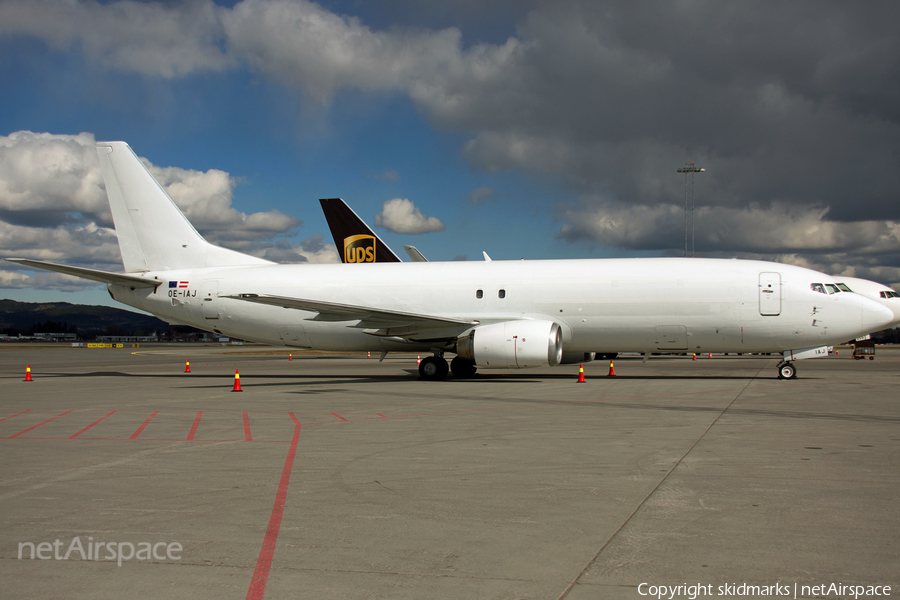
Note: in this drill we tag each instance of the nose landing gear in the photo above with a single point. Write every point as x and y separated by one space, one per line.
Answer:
786 370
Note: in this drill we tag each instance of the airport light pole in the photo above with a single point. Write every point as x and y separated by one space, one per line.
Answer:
689 168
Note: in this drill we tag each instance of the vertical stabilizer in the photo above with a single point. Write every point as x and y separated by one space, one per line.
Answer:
347 228
153 233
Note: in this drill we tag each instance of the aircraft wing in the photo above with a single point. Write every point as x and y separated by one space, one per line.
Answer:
134 281
376 321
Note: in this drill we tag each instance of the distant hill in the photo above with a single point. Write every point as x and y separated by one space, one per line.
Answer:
27 318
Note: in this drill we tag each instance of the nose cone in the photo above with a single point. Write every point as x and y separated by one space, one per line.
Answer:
876 316
894 306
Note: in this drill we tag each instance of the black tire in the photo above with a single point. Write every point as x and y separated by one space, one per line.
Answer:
787 371
462 368
433 368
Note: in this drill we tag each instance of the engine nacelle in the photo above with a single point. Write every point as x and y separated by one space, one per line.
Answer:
570 358
513 345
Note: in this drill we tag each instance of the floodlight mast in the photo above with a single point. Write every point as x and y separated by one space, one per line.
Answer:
689 168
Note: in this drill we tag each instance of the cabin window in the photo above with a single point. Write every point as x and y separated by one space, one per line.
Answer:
501 294
817 287
832 289
479 294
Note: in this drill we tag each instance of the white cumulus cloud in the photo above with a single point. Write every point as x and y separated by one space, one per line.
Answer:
400 215
150 38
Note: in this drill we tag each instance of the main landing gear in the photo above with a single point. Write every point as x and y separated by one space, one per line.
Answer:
462 368
435 368
786 370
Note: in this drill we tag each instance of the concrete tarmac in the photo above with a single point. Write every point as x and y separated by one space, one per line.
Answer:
336 476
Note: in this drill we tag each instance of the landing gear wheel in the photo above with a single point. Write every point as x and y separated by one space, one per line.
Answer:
462 368
433 368
787 371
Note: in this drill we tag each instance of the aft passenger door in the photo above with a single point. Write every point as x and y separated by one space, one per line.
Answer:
770 294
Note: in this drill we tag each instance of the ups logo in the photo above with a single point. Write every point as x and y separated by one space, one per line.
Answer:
359 249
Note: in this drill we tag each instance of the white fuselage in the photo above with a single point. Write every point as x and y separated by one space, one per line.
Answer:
602 305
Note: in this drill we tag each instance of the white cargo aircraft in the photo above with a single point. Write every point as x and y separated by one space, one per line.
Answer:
497 314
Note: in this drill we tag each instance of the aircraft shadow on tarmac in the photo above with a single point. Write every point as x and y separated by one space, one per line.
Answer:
481 377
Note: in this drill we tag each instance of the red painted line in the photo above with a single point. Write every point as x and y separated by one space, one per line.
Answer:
15 415
247 436
380 415
73 436
267 552
339 417
135 435
210 441
194 427
39 424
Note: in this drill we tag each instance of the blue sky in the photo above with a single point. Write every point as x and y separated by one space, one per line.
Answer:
568 119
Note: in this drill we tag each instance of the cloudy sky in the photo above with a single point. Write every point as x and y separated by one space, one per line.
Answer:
525 129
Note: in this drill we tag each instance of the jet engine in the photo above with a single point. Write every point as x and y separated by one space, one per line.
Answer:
512 345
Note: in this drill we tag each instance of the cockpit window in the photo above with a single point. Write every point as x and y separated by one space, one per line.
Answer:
889 294
832 289
844 288
817 287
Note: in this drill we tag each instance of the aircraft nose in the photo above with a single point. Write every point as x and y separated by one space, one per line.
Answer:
895 309
876 317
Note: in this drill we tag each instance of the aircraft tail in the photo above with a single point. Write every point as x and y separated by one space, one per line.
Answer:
154 235
355 241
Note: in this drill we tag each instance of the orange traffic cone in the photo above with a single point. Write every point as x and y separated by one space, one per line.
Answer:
237 382
187 366
418 359
710 354
612 372
580 374
28 373
290 356
695 356
368 355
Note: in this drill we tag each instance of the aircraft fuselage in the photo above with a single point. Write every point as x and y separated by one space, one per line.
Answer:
603 305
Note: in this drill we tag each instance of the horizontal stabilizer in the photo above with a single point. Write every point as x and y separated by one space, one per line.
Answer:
135 281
